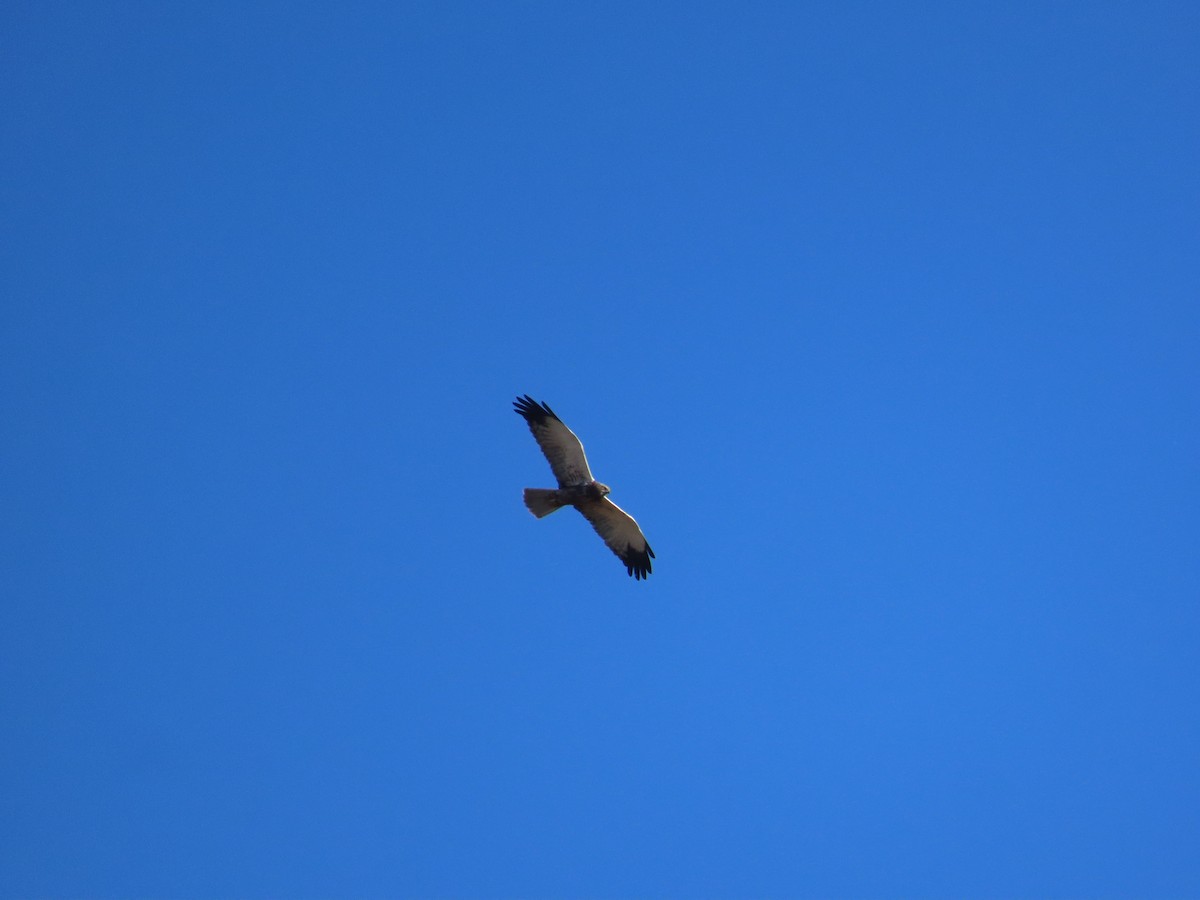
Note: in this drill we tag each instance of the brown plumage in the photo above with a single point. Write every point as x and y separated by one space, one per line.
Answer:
577 487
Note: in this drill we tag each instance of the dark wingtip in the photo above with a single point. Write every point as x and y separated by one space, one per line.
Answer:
637 564
532 411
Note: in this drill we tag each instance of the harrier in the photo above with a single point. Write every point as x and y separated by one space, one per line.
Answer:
577 488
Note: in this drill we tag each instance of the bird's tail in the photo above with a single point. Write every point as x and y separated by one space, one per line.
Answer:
542 501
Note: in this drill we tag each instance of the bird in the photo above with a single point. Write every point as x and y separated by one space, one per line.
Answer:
577 487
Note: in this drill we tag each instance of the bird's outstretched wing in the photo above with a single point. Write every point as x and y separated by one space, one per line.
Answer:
621 533
558 442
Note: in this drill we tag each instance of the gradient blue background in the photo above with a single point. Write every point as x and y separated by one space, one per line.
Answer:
882 319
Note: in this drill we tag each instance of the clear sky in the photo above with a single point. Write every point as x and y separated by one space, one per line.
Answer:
882 319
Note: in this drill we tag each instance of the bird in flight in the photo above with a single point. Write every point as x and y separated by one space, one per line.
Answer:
577 488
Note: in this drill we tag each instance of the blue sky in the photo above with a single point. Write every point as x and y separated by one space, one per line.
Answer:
882 320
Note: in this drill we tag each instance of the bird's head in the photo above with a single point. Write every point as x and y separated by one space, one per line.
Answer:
602 488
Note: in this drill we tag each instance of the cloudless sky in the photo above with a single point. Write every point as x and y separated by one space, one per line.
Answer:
881 318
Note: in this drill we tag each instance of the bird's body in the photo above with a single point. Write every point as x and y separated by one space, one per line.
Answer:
577 487
546 501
